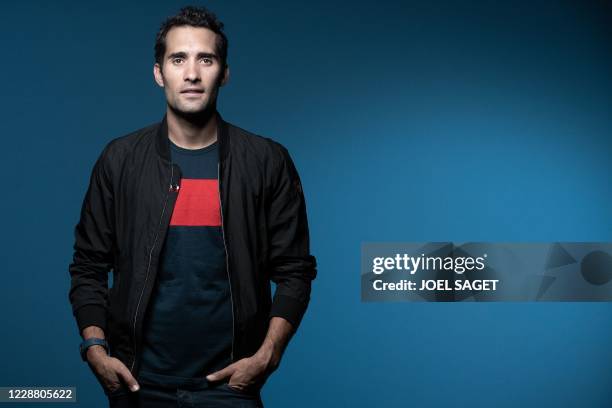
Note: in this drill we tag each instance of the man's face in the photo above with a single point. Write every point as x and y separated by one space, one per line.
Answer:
191 73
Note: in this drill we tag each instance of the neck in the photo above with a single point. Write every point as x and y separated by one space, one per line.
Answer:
192 131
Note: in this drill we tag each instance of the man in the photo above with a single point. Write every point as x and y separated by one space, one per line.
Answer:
195 217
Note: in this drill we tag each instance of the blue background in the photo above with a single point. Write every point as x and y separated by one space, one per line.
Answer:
432 121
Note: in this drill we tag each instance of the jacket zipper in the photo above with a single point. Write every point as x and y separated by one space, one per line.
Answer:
149 266
226 260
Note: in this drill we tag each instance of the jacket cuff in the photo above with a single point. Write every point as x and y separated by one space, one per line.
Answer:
91 315
288 308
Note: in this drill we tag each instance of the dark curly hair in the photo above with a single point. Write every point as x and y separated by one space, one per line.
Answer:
195 17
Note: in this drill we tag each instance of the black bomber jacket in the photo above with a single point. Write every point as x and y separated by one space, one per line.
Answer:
126 213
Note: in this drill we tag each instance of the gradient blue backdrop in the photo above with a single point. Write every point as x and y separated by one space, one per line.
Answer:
430 121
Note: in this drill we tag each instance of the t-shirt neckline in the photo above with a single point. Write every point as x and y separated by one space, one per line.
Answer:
201 150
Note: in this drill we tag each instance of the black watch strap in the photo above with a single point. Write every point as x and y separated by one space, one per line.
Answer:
92 341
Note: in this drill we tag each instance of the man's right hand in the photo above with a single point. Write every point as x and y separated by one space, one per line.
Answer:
110 371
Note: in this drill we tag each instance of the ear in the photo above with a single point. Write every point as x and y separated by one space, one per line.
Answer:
226 76
158 75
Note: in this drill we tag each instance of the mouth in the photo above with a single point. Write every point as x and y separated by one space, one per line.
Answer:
193 91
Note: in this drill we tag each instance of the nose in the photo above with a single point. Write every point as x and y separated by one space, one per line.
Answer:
192 74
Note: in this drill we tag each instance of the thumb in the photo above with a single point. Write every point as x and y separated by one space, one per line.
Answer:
128 378
221 374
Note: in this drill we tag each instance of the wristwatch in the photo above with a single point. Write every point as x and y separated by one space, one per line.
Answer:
91 342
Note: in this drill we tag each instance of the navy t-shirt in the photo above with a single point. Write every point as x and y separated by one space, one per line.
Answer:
187 332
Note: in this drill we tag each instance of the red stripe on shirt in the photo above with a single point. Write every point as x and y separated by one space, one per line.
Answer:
197 203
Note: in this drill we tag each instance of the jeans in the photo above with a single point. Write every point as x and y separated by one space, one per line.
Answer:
149 396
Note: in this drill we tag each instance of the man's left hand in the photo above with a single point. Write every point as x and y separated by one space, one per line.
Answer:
247 374
250 374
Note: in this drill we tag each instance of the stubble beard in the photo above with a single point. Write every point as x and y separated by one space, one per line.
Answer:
195 116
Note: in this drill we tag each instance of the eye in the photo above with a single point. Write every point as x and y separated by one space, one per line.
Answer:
207 61
176 60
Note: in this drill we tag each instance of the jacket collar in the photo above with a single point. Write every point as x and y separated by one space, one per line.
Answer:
163 141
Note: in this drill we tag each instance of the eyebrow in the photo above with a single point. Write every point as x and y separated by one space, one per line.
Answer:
182 54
